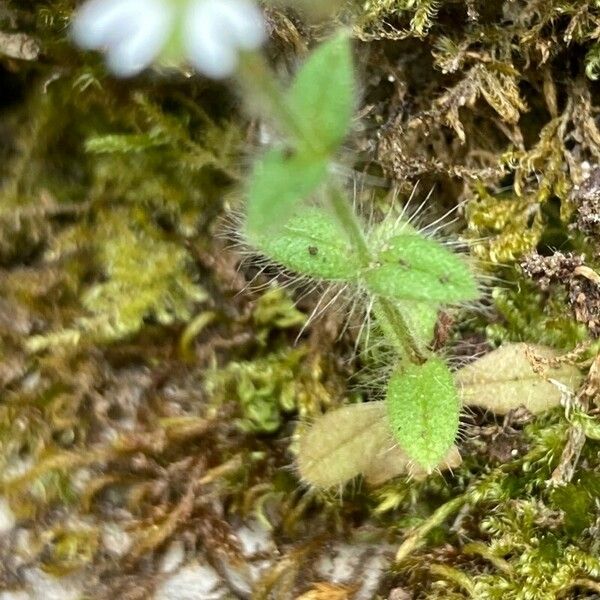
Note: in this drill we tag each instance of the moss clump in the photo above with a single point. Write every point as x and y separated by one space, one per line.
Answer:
269 388
145 387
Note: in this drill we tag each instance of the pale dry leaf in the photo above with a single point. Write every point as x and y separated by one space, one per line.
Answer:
393 462
508 378
357 440
342 444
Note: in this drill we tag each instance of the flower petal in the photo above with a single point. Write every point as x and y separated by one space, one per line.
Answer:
96 20
134 53
132 32
216 29
209 46
245 22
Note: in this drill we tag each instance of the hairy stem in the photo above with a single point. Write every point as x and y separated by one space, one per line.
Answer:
349 224
264 93
399 332
394 324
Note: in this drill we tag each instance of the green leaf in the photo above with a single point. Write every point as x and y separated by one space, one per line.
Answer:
311 243
124 144
423 408
323 95
421 318
278 183
509 377
410 267
588 423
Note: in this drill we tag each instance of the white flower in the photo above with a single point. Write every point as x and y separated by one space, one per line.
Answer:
134 33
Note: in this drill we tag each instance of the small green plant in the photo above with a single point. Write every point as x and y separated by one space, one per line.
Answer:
301 218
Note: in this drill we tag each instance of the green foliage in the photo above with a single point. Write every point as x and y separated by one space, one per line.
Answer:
421 318
145 278
322 97
592 62
410 267
422 12
266 389
117 217
318 108
400 269
527 314
278 184
150 272
576 500
511 227
310 243
276 309
357 440
534 538
488 102
588 424
423 408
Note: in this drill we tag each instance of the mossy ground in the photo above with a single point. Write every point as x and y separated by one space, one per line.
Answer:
145 385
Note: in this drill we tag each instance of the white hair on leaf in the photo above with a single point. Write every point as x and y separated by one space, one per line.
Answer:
133 33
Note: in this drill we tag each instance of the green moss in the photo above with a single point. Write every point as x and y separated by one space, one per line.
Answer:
509 227
268 388
109 249
526 314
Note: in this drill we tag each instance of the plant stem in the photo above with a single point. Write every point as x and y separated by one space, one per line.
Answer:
267 96
393 320
349 224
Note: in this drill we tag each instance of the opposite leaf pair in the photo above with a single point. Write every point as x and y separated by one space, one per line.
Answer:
406 276
358 440
405 266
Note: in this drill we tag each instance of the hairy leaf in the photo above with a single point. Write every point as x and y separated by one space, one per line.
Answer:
278 183
311 243
357 440
420 317
511 376
414 268
423 408
342 443
322 96
393 461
